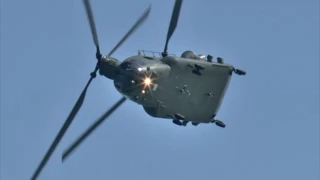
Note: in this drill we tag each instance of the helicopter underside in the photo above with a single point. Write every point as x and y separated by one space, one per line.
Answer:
193 93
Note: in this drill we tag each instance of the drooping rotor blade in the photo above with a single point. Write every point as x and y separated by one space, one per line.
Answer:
62 131
138 23
173 23
84 135
92 26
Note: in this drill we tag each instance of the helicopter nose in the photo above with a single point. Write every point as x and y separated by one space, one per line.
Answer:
120 85
124 84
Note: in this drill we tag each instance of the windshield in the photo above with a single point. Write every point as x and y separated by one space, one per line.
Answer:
132 66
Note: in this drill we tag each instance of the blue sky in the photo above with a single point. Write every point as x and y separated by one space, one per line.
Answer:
272 113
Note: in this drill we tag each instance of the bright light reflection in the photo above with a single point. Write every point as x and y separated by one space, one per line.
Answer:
147 81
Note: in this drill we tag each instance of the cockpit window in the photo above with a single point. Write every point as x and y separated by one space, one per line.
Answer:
131 65
126 66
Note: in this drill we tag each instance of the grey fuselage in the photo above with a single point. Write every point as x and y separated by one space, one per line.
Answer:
192 88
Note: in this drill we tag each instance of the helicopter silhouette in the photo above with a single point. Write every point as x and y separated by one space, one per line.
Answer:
184 89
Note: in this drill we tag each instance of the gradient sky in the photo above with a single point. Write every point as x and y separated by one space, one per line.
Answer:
272 113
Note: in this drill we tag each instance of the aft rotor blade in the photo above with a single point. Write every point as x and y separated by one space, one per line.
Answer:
138 23
98 122
173 22
62 131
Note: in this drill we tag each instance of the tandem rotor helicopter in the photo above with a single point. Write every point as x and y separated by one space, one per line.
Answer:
184 89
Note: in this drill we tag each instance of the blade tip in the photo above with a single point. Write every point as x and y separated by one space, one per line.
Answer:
149 8
63 158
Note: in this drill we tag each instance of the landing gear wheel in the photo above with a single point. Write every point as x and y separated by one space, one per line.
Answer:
195 124
220 123
184 123
240 72
177 122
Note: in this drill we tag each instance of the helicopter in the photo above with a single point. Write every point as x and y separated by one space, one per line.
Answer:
189 88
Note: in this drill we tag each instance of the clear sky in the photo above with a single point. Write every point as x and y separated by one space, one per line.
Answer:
272 113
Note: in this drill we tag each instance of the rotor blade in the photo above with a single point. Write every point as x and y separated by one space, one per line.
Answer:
63 129
138 23
84 135
91 21
173 22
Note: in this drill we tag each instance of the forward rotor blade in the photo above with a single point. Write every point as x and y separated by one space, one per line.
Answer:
173 22
91 21
138 23
76 143
62 131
